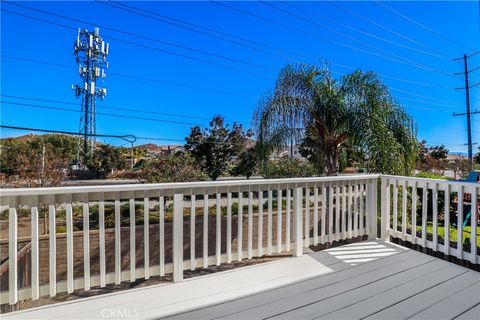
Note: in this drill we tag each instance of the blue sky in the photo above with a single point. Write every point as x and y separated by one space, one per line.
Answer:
353 34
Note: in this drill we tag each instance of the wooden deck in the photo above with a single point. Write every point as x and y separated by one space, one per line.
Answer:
365 280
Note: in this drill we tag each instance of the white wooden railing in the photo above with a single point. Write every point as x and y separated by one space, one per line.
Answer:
432 213
308 211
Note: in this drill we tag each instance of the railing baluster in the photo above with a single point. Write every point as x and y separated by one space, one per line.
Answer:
349 212
52 264
101 227
132 239
460 223
361 223
344 211
385 208
473 224
161 208
355 210
69 222
86 246
250 225
446 233
269 222
330 213
372 209
35 261
118 243
404 210
307 216
337 212
414 212
12 256
316 236
192 231
324 213
424 213
229 227
205 230
240 226
287 220
297 221
218 228
177 237
279 220
395 206
146 237
435 216
260 222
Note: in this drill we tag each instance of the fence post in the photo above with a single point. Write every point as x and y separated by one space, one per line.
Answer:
297 221
177 237
372 209
385 209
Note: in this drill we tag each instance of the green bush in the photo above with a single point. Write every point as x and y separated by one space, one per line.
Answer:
428 175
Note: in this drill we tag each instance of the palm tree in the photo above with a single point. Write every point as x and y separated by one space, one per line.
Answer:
308 105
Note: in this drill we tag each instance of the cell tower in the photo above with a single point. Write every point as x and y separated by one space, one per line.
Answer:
90 52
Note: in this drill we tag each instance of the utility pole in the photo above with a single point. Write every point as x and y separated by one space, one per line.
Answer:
468 113
90 52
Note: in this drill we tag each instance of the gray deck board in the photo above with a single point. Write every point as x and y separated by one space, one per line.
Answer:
416 303
453 306
366 280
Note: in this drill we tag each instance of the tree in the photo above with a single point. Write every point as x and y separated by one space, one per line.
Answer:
432 159
43 168
459 166
246 163
37 160
287 167
216 148
179 167
477 156
105 159
357 110
60 145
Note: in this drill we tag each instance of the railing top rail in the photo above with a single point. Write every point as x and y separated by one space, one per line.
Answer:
428 180
180 185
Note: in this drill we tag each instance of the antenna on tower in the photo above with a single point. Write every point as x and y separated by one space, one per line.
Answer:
90 52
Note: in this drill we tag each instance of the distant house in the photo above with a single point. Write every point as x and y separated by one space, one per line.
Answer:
154 150
285 152
452 157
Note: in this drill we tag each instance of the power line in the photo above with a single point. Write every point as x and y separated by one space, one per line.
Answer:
102 113
168 43
417 65
161 18
451 103
146 79
421 25
130 138
109 107
398 34
141 45
428 102
369 34
182 85
176 84
351 38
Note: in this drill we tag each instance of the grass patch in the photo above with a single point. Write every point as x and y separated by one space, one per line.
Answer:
467 232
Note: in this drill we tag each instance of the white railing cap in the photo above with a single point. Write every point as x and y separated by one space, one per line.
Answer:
179 185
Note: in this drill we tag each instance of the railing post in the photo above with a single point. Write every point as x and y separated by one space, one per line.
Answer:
385 209
297 221
177 237
372 209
